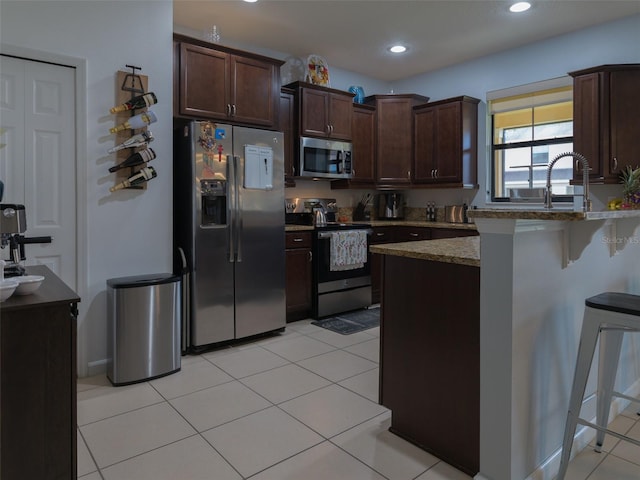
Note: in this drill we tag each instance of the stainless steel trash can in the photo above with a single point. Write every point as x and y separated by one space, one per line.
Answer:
144 322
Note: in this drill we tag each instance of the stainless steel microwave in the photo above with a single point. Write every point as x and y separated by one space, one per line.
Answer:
325 158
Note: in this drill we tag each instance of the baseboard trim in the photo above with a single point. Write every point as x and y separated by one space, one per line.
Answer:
97 367
585 435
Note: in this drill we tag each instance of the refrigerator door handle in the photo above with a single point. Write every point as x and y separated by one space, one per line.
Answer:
238 207
231 192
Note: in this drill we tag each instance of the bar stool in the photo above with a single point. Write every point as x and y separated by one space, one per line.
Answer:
608 315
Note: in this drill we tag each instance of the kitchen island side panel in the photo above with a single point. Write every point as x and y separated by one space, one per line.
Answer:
430 352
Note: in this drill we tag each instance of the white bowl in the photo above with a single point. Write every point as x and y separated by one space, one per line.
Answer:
27 284
7 287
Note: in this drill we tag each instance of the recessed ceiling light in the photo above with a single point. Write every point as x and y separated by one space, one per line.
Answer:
251 1
520 7
398 49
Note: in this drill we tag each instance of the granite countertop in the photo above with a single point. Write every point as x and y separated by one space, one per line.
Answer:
542 214
460 250
393 223
421 223
298 228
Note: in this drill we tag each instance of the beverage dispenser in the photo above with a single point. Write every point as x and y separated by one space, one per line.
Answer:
213 197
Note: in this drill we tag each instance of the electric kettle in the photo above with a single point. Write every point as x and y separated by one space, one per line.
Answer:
319 216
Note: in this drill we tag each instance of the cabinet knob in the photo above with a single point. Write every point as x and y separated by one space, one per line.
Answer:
413 234
228 109
310 255
615 163
233 110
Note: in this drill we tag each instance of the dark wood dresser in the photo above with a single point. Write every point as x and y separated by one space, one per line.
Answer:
38 382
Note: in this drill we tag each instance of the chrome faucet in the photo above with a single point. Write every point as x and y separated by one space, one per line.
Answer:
586 202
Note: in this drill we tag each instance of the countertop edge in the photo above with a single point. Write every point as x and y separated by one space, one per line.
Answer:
395 223
541 214
53 291
460 250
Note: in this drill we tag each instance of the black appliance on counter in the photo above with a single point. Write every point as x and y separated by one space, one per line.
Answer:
334 291
13 223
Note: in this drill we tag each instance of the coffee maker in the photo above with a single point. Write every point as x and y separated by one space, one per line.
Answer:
13 223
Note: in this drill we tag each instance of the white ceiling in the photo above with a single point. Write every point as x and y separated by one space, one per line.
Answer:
353 35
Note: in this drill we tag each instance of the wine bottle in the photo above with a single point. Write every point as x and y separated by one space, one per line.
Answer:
139 140
137 121
138 158
144 175
141 101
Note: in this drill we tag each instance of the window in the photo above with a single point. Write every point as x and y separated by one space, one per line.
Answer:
528 131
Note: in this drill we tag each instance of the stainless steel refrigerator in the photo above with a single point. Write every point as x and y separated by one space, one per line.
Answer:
229 235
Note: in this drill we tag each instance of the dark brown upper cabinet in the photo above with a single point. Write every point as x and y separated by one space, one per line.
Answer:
224 84
323 112
394 137
446 142
606 120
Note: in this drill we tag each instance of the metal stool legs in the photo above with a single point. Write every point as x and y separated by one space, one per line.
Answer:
588 339
610 345
612 316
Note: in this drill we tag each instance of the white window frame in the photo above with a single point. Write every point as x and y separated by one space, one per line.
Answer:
516 98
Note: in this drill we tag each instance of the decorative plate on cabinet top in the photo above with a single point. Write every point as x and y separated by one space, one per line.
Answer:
318 71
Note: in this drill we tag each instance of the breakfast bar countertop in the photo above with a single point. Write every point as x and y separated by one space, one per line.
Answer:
460 250
542 214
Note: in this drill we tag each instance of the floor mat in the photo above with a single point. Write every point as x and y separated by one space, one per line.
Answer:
352 322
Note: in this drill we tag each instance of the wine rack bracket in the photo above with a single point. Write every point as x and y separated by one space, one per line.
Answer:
129 85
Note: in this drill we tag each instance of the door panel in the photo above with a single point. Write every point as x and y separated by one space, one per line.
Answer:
12 129
253 94
204 76
212 271
38 111
260 275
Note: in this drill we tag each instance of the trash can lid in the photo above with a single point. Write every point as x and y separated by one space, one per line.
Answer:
142 280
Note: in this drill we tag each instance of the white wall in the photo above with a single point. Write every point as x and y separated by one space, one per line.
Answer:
339 79
531 315
613 42
128 232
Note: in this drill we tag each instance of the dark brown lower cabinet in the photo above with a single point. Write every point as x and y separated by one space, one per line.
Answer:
298 276
430 356
38 382
393 234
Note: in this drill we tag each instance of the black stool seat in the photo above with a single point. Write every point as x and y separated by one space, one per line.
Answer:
616 302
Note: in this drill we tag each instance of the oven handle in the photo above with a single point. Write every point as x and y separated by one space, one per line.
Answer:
327 234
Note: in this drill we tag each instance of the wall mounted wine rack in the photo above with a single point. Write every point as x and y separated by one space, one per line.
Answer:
129 85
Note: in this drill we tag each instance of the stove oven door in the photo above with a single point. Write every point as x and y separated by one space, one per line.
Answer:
342 290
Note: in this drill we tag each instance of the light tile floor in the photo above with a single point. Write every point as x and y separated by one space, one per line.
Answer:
300 405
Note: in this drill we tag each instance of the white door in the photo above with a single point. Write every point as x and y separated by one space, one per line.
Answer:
37 157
